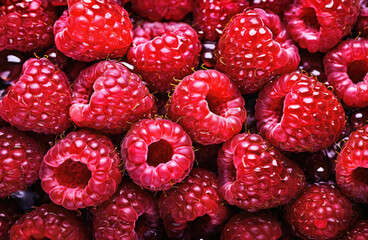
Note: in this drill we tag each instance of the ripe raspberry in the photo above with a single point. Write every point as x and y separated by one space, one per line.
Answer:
174 10
208 106
164 52
253 175
93 30
211 16
9 213
276 6
129 214
297 113
157 154
59 2
108 97
319 25
359 231
247 226
26 25
346 68
81 170
254 48
49 222
322 212
194 208
20 161
361 25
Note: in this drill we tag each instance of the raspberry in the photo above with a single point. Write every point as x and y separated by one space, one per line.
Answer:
81 170
319 25
247 226
361 25
9 213
49 222
211 16
108 97
194 208
59 2
297 113
93 30
346 68
254 48
358 232
173 10
129 214
157 154
20 161
208 106
322 212
26 25
276 6
164 52
253 175
352 164
11 63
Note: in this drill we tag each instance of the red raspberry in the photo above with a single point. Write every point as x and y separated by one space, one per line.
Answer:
208 106
20 161
212 16
39 100
297 113
194 208
81 170
322 212
254 48
361 25
319 25
253 175
173 10
346 68
351 166
164 52
9 213
245 226
108 97
157 154
92 30
49 222
129 214
59 2
358 232
26 25
276 6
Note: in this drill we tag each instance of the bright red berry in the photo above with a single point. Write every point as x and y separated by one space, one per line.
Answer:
361 25
59 2
319 25
157 154
108 97
93 30
358 232
209 107
276 6
163 53
297 113
254 48
81 170
194 208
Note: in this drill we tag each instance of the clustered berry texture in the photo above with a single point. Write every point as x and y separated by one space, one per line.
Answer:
130 213
358 232
209 107
276 6
157 153
49 221
361 25
164 52
26 25
81 170
93 30
297 113
255 47
108 97
253 175
193 209
319 25
39 100
20 161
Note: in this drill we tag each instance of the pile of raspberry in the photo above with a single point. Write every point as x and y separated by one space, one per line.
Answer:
184 119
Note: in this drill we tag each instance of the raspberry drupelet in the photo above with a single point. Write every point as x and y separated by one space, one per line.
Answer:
39 99
209 107
361 25
81 170
276 6
254 48
358 232
194 208
130 213
297 113
108 97
164 52
157 154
